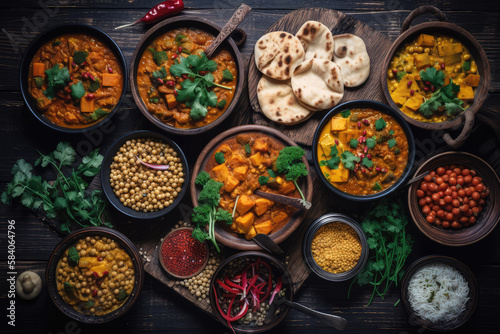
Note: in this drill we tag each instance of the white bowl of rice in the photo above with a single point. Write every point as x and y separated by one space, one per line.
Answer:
439 293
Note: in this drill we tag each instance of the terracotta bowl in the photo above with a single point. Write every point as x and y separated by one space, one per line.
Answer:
232 239
125 243
178 22
44 37
278 269
486 221
466 117
470 305
106 170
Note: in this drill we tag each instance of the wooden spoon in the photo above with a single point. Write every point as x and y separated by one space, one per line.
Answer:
233 22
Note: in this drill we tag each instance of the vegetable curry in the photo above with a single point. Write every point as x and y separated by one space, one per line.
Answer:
95 276
239 162
76 80
433 78
180 85
362 151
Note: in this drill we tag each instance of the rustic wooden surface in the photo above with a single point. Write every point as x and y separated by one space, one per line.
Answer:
159 308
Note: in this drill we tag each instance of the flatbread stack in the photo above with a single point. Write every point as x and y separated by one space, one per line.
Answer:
299 74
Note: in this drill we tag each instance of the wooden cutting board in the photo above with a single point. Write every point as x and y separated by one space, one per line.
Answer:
377 46
339 23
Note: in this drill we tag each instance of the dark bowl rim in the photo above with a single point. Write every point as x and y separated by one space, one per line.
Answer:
267 257
24 67
160 259
125 243
163 27
447 260
378 106
416 215
106 166
278 236
452 29
309 235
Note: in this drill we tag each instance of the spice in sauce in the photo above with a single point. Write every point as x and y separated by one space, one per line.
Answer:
336 247
181 254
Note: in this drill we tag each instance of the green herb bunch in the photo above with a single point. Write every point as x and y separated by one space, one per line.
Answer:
289 162
389 245
207 211
65 199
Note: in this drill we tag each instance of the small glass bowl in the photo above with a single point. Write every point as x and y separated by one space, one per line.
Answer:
309 236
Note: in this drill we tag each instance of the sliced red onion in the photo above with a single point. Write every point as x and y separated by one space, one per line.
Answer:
152 166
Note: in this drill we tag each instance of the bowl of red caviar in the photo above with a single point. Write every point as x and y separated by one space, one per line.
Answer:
181 255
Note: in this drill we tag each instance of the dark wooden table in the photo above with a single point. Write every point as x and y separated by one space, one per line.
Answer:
159 308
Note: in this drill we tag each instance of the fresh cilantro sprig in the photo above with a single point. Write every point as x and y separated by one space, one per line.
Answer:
432 75
66 198
57 79
445 96
195 93
389 244
333 162
207 211
289 162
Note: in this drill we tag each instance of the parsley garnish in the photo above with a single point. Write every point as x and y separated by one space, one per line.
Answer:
97 114
345 113
377 186
207 213
219 157
432 75
367 162
371 142
94 85
227 75
271 173
444 96
160 57
38 82
77 90
80 57
392 142
221 104
57 78
333 162
73 256
290 163
248 149
349 160
195 93
263 179
160 74
380 124
466 65
400 75
354 143
389 246
179 39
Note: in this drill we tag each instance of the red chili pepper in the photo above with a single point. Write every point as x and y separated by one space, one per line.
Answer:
159 12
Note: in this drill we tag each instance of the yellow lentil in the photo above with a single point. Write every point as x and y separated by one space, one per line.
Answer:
336 247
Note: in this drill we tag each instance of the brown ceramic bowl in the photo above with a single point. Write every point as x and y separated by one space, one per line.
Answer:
470 305
164 266
454 31
125 243
487 219
272 318
163 27
232 239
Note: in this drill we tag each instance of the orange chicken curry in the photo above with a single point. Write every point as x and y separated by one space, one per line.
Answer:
362 151
433 78
76 80
239 162
182 104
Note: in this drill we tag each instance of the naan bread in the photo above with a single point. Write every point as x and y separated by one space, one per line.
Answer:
316 39
318 83
277 54
351 56
278 103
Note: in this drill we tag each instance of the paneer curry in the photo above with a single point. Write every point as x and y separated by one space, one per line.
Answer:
362 151
239 162
76 80
433 78
209 88
95 275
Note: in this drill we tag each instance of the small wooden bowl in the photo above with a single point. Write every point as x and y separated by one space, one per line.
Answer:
44 37
231 239
106 170
477 52
486 221
278 269
125 243
165 267
165 26
466 273
378 107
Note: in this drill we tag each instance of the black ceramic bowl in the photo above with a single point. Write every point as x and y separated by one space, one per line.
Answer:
379 107
272 318
42 39
470 305
309 236
180 22
106 170
51 279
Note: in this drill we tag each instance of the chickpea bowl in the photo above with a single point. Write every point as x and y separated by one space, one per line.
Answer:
335 247
95 275
145 175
